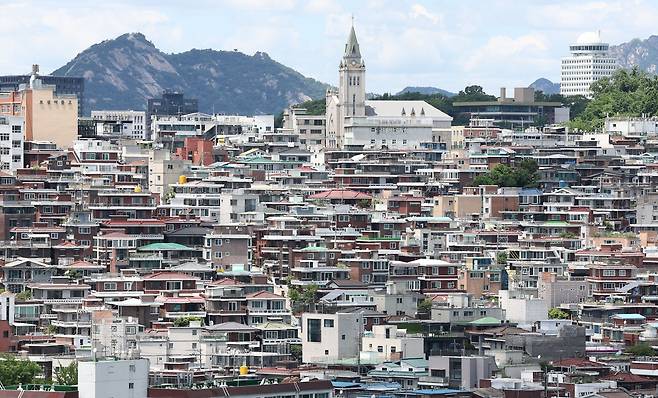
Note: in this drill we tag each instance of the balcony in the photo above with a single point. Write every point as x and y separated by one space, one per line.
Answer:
71 324
182 314
265 311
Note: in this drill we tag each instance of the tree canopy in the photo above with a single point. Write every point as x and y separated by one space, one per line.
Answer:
641 350
185 321
425 306
524 175
576 103
556 313
67 375
17 371
626 93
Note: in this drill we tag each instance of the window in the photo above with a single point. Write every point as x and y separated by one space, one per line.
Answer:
608 272
380 348
174 285
131 386
328 323
109 286
314 331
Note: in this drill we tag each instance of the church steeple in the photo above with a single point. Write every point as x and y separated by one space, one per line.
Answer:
352 46
352 79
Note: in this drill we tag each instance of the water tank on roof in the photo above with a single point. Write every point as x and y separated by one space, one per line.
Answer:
182 179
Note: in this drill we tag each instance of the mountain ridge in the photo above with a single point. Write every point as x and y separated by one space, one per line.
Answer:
122 73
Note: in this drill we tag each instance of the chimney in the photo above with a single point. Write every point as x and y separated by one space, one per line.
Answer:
502 93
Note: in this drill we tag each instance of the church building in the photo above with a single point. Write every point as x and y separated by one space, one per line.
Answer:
351 120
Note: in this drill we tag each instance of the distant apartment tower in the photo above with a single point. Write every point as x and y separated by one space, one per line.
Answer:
170 104
64 85
311 129
120 124
589 61
11 143
48 116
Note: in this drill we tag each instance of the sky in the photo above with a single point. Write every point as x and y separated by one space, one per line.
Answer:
446 44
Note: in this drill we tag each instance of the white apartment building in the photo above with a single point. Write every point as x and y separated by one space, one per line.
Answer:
632 126
589 61
219 127
255 125
310 128
331 338
123 124
11 143
112 378
388 343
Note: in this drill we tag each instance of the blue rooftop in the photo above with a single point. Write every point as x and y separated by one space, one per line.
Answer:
628 316
438 391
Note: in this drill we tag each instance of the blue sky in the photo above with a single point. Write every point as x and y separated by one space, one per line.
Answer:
447 44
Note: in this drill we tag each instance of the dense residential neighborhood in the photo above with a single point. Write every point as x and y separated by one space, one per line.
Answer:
352 246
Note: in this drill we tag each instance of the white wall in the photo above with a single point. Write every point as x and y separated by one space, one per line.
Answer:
523 310
113 379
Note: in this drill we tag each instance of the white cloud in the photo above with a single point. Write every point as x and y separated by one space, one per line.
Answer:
505 50
321 6
420 12
52 35
261 5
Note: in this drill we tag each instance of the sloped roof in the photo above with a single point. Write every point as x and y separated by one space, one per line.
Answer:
340 194
231 327
392 108
166 276
264 295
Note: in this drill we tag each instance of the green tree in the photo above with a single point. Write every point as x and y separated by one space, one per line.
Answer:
294 295
308 296
425 306
25 295
556 313
501 258
17 371
51 329
522 175
67 375
641 350
185 321
626 93
296 351
576 103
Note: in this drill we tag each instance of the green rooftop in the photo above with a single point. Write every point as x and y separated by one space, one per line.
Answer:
486 321
163 247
